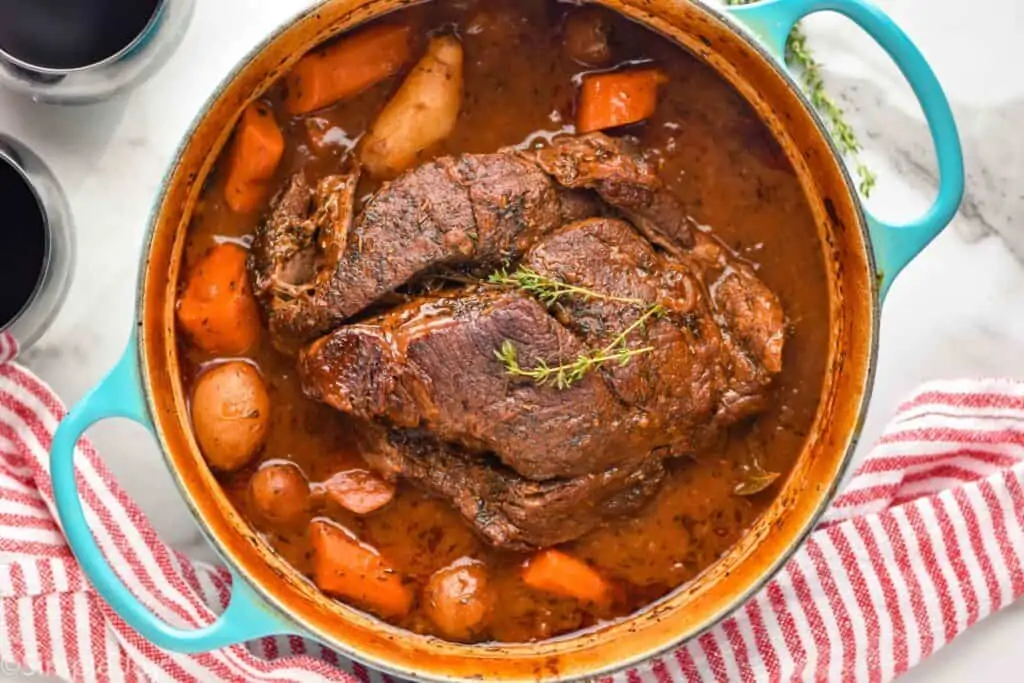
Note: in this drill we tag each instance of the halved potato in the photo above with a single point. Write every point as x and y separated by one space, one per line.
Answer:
421 114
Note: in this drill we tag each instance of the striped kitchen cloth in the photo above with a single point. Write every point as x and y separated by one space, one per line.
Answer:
927 540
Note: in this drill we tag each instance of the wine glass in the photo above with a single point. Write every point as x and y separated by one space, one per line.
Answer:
81 51
36 244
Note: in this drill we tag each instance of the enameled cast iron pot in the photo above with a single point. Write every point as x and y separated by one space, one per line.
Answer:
863 254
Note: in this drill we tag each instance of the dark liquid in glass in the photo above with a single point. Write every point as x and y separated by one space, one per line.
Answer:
22 242
70 34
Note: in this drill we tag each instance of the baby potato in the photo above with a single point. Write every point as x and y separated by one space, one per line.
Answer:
459 599
586 36
230 414
421 114
279 492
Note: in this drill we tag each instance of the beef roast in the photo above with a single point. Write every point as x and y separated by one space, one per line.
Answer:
657 340
623 179
431 365
463 427
714 367
479 209
294 253
507 509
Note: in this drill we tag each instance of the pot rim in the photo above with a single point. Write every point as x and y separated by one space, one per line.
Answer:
752 43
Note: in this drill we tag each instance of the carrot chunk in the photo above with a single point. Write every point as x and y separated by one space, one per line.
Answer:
346 68
347 568
253 158
556 572
615 99
217 308
359 491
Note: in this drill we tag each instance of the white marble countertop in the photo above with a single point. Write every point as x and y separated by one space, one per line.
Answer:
951 314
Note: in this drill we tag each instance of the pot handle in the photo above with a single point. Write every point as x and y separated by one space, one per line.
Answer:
895 245
119 395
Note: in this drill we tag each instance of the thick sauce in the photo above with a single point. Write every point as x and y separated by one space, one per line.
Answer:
717 158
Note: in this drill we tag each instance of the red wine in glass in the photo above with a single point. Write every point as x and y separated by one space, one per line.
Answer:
84 51
36 244
23 243
64 35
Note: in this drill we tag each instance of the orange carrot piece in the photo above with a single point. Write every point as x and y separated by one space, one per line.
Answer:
346 68
556 572
359 491
217 309
257 150
345 567
615 99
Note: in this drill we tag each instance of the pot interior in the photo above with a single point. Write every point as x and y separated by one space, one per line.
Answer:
688 610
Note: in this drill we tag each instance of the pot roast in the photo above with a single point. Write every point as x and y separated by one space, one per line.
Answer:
314 267
538 415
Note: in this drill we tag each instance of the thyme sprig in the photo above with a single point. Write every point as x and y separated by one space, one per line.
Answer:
564 375
799 55
548 289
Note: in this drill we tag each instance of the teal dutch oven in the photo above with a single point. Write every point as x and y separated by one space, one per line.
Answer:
863 254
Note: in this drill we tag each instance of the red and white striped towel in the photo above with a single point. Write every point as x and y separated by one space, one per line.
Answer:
8 347
927 539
